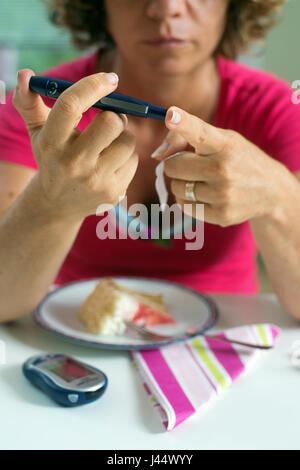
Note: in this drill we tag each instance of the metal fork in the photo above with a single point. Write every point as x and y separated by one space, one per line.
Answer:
157 337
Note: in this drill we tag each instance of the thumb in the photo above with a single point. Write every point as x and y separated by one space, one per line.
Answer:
203 138
29 104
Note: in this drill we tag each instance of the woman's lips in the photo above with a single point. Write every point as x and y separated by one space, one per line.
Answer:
167 43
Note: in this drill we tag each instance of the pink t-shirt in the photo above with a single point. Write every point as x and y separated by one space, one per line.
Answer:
257 105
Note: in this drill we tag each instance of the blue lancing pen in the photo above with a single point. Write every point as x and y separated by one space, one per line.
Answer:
53 87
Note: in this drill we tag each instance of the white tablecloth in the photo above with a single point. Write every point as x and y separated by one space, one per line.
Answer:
260 411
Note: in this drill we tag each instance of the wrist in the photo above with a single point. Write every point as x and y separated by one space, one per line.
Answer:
38 205
282 192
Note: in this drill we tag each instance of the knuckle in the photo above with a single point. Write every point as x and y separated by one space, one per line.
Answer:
232 134
69 103
93 186
225 193
222 170
202 137
108 190
230 141
72 170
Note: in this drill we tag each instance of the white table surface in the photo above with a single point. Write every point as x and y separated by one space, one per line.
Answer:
261 410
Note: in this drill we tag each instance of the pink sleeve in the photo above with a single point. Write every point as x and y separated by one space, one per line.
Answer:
15 145
281 129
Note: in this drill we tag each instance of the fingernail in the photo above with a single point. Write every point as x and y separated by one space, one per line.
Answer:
112 77
123 116
160 150
175 117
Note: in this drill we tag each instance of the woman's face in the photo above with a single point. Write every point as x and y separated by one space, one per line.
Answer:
200 22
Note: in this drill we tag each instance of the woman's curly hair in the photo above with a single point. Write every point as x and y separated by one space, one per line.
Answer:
247 21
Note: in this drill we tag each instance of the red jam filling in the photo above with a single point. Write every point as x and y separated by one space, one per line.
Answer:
149 316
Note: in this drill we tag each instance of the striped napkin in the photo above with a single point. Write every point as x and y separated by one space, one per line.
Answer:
179 379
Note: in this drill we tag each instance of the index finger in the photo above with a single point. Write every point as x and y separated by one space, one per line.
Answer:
205 138
187 166
74 101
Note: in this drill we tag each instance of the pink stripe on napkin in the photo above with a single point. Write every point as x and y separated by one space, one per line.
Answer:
227 356
168 384
167 373
275 331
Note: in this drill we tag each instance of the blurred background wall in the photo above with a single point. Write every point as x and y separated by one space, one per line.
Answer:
28 40
283 45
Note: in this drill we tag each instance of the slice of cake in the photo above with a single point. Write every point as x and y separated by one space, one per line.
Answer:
106 308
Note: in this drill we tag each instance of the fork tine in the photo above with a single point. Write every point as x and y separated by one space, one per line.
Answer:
142 330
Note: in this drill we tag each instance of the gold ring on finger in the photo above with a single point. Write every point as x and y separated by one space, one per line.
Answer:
189 193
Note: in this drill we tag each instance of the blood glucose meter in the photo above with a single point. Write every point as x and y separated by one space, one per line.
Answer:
67 381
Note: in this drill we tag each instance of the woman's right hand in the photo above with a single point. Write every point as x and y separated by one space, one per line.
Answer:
78 171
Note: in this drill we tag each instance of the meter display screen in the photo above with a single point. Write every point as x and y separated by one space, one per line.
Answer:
67 369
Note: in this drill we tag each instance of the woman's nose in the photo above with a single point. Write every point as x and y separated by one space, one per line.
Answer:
163 8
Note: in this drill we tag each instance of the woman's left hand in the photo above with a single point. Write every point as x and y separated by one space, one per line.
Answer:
234 179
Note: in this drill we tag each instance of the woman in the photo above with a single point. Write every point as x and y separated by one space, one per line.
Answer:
238 138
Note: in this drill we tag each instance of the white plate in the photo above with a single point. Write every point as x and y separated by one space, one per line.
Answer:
58 313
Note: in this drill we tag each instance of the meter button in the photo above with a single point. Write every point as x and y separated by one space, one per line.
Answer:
52 89
73 397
